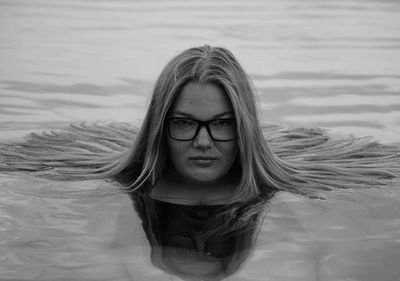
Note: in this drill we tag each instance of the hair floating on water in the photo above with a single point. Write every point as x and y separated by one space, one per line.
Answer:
85 151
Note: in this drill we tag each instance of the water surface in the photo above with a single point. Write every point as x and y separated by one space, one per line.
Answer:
330 64
353 235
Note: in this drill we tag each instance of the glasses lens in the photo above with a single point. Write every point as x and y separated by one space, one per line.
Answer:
182 129
223 129
185 129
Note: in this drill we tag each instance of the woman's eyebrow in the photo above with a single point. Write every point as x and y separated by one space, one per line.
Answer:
185 114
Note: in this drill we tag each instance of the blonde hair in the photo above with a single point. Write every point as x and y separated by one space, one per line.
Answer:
144 163
303 161
261 170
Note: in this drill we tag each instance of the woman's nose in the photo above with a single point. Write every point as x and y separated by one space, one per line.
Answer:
203 139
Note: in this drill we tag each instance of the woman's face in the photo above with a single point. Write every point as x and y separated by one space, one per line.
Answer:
201 160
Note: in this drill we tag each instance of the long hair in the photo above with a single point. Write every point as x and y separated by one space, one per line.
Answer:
144 163
301 161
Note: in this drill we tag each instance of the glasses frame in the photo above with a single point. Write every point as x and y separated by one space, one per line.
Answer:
200 124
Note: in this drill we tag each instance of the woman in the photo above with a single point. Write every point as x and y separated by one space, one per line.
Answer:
202 84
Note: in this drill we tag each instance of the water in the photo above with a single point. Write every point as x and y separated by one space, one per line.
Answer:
45 236
330 64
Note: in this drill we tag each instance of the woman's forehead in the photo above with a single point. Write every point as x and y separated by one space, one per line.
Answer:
202 100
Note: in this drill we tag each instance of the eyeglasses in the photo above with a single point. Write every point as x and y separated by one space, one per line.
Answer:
185 129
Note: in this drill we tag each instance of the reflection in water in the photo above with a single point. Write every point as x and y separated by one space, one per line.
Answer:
186 241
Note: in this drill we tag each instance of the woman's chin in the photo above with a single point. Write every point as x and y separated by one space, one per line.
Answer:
205 177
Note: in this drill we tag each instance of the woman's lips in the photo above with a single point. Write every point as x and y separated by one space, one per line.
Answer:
202 160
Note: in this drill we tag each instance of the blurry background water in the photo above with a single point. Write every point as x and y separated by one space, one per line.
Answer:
332 64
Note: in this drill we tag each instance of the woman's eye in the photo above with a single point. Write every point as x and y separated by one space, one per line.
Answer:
182 123
223 123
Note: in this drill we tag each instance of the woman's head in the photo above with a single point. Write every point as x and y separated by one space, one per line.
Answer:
201 135
205 71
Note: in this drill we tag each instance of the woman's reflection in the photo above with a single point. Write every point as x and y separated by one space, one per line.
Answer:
191 242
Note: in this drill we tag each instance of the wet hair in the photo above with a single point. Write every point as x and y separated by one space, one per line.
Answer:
301 161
